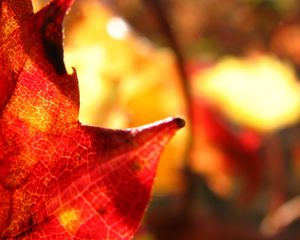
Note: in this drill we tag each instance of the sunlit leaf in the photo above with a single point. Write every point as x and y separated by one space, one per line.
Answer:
59 178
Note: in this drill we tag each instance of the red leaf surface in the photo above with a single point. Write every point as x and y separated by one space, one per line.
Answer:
58 178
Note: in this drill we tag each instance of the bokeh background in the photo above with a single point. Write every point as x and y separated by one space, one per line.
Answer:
231 68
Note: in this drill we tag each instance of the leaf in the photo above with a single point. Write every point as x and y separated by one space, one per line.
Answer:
238 86
58 178
222 154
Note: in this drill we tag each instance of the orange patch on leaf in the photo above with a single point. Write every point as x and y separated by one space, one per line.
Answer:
70 219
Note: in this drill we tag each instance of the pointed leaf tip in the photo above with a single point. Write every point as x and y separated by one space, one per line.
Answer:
64 4
50 19
171 122
179 122
61 5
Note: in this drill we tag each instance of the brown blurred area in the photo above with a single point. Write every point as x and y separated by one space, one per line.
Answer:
231 69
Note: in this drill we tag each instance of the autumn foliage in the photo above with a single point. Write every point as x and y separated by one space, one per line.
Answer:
59 178
80 81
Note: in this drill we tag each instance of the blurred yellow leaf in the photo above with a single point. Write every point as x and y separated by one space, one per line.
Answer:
259 92
37 4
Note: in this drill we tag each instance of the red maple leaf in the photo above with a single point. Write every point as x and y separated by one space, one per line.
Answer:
58 178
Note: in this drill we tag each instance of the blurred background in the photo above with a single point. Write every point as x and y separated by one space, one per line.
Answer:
231 68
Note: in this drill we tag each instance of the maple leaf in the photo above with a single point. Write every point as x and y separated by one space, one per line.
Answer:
58 178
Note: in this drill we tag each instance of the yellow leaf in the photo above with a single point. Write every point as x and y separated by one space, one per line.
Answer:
260 92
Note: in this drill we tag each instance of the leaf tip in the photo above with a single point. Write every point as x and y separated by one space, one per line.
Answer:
170 125
49 20
180 122
172 122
